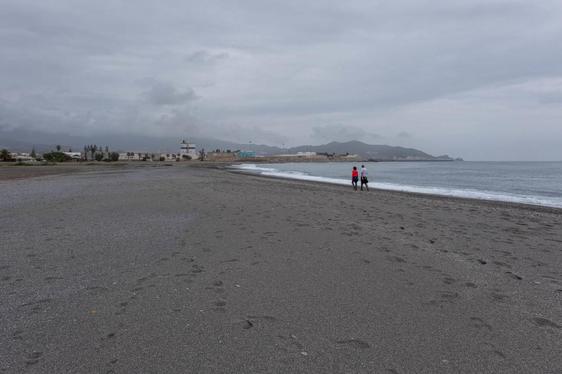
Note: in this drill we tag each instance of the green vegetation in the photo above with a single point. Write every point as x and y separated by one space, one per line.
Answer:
5 155
56 157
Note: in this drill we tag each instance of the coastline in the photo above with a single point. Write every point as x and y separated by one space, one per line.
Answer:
497 203
19 172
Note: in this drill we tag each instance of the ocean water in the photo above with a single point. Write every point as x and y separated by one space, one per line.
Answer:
537 183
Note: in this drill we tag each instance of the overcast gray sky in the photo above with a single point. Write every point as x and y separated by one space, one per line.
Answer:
479 79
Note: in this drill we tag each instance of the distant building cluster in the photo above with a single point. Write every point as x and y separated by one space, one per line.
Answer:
21 157
186 151
228 155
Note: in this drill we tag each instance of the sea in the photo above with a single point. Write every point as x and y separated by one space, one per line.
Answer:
536 183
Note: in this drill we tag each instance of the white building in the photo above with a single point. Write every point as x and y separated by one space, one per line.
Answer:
188 150
131 156
74 155
22 157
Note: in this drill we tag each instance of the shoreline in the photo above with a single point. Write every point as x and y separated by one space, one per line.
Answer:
37 171
497 203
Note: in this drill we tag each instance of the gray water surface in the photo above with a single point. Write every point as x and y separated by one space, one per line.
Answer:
538 183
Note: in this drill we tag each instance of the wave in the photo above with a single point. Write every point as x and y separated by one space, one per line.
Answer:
453 192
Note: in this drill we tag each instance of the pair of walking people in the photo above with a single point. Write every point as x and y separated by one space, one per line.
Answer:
355 178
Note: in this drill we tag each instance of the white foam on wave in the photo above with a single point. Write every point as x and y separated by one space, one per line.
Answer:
472 194
453 192
252 167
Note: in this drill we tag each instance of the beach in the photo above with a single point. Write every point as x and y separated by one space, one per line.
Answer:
181 269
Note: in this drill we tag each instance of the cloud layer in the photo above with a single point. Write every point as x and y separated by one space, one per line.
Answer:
479 79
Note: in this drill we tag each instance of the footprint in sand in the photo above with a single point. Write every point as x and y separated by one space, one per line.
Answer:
479 323
395 259
290 343
449 296
543 322
500 297
491 348
354 343
449 280
36 306
197 269
33 358
245 324
513 275
262 317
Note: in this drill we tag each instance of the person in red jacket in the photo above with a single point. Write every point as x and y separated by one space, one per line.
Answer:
354 177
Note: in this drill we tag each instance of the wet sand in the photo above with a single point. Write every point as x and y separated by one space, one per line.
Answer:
182 269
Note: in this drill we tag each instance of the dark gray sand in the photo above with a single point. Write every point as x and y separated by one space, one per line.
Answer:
191 270
11 170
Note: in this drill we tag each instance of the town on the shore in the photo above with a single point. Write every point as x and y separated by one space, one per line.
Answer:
186 152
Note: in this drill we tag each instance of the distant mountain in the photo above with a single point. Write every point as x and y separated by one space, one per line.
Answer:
369 151
23 141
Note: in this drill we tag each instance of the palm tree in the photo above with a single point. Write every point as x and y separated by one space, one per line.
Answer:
5 155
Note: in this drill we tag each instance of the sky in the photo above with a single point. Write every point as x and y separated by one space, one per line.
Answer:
478 79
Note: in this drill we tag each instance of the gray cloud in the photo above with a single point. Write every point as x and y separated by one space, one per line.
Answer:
450 72
404 135
328 133
205 57
163 93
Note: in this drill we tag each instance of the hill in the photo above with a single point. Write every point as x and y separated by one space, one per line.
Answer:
23 141
370 151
